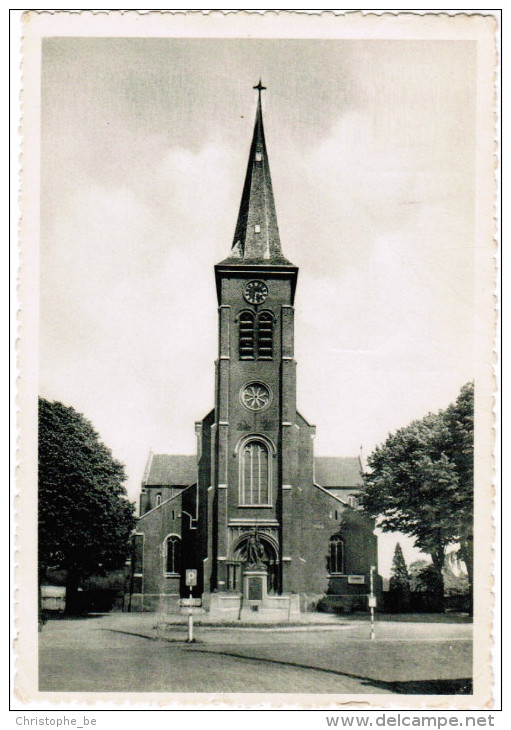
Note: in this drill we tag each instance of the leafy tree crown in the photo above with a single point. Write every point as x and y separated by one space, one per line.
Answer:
420 480
85 519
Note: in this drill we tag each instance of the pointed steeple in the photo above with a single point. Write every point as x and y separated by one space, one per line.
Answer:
256 238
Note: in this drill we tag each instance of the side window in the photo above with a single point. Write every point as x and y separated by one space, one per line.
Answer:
173 555
336 555
246 341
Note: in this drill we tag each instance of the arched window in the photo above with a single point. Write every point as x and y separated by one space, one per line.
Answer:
246 344
336 557
173 555
265 336
256 336
255 484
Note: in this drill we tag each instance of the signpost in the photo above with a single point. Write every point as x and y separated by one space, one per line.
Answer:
372 602
191 581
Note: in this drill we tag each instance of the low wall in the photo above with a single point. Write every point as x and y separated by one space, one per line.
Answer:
343 603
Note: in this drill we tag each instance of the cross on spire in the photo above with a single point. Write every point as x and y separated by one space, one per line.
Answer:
259 87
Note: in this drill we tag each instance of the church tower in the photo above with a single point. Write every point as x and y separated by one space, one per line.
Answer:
254 435
268 528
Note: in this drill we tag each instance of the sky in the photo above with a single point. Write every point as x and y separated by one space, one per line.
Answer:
143 154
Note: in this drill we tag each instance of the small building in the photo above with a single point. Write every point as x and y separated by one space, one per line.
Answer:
269 528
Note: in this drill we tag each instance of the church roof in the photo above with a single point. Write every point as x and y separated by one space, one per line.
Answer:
256 238
171 470
181 470
338 471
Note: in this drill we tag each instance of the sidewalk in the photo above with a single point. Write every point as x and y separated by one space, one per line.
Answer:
322 619
173 627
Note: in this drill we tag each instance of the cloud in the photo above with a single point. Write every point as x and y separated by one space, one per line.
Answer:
128 325
141 187
385 298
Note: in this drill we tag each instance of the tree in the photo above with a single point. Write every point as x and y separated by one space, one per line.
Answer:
85 519
399 572
418 569
459 417
455 584
399 585
428 590
420 482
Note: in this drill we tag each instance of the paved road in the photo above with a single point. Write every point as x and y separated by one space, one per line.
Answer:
88 655
120 653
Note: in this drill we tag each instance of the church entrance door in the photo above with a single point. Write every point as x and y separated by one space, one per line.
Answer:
246 553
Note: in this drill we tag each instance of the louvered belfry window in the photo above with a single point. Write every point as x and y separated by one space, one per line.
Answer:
256 336
265 336
247 336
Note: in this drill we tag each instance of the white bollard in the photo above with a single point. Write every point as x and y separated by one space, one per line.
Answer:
190 620
372 602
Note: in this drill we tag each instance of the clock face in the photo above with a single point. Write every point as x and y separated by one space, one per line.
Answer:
255 292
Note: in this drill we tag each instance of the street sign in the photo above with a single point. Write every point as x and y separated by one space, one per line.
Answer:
356 579
372 602
191 578
191 581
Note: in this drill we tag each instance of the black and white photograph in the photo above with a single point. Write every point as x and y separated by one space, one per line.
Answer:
257 324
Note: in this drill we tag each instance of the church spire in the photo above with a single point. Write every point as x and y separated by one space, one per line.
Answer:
256 238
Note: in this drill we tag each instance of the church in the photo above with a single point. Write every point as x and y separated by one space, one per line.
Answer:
269 528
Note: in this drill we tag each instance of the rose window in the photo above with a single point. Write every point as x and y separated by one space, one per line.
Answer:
255 396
